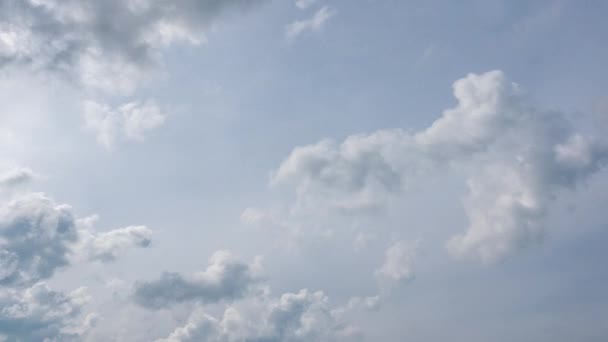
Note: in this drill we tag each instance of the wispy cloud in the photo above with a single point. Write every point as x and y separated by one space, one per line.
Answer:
304 4
314 24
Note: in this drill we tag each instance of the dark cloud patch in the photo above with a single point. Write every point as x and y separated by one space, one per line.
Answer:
104 44
225 278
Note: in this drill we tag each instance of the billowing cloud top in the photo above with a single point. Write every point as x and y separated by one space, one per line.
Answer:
521 157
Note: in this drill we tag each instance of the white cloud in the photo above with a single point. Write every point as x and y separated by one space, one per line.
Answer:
520 158
130 121
106 246
38 237
398 263
314 24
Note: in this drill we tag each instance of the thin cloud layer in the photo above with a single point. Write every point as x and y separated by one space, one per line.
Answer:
16 176
131 121
521 158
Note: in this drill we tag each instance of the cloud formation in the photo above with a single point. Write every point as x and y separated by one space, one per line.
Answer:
225 278
106 246
39 314
36 235
398 263
302 316
16 176
131 121
520 157
107 45
314 24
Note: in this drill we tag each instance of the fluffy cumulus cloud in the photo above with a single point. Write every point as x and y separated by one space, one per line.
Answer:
356 175
130 121
108 45
38 313
301 316
314 24
225 278
520 158
107 246
245 309
38 237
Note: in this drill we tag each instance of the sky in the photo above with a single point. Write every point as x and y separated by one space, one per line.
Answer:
303 170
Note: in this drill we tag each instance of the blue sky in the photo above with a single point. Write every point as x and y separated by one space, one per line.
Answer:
329 170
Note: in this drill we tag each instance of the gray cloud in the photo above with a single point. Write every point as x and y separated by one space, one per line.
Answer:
36 235
225 278
250 312
520 158
16 176
37 238
104 44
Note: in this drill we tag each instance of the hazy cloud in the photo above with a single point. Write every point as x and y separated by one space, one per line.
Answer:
39 314
314 24
130 121
302 316
398 263
106 246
